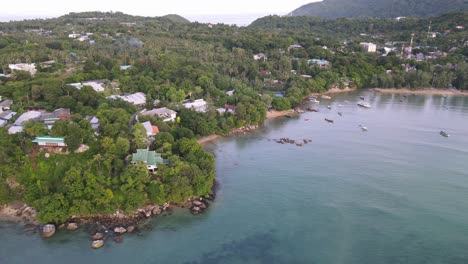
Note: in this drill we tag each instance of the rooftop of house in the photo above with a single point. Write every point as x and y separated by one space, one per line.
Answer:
27 116
97 85
160 112
150 158
138 98
6 103
92 119
49 139
7 115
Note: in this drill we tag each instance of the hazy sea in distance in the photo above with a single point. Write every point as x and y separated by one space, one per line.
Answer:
395 194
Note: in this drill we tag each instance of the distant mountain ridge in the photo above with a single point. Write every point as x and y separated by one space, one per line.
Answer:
380 8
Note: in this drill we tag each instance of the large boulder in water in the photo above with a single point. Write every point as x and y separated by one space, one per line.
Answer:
97 244
156 210
130 229
72 226
48 230
120 230
98 236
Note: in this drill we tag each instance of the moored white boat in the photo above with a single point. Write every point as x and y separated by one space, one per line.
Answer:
364 104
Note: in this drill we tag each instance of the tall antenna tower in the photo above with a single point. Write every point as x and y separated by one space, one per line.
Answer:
410 48
428 31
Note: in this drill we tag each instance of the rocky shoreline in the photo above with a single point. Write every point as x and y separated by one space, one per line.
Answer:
101 228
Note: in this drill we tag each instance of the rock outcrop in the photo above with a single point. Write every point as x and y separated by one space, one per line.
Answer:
48 230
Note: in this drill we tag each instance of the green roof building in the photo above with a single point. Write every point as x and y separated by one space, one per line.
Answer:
150 158
48 141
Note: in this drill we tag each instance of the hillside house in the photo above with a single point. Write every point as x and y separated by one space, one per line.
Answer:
260 56
138 98
49 119
5 116
28 67
50 142
5 105
97 85
27 116
321 63
150 158
368 46
198 105
150 129
94 121
164 113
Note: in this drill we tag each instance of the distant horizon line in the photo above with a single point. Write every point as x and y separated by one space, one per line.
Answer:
225 18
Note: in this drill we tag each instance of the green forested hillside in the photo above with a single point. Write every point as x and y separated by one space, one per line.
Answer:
379 8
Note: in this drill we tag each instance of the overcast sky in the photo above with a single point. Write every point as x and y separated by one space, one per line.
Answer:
150 7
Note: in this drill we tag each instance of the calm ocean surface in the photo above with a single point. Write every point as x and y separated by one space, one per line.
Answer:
395 194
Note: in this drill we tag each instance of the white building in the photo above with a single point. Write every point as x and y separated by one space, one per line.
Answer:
31 68
368 46
260 56
138 98
164 113
98 85
150 129
198 105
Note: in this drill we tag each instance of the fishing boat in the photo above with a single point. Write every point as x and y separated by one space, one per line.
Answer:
362 97
364 104
313 100
364 128
329 120
444 134
326 97
340 114
329 107
311 109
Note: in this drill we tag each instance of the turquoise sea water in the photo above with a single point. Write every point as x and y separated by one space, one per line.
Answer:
395 194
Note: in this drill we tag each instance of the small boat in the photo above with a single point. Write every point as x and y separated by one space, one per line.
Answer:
329 120
444 96
313 100
306 119
364 104
362 97
340 105
340 114
364 128
311 109
329 107
326 97
444 134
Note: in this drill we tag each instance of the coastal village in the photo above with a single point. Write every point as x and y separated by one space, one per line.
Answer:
112 120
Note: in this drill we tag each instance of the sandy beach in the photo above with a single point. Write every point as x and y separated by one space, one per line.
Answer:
270 115
334 91
421 91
